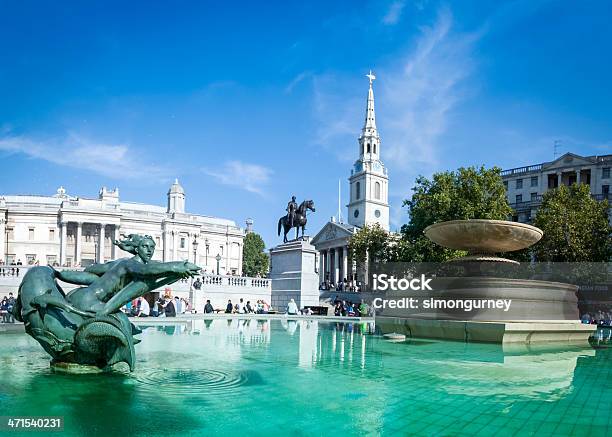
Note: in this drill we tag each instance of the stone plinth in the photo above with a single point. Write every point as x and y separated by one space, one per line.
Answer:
293 275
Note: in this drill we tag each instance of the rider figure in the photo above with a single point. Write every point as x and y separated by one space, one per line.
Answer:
291 208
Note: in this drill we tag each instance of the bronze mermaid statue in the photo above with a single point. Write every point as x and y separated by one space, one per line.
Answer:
86 326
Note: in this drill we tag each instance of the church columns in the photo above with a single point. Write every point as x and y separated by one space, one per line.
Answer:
345 271
321 266
328 264
336 265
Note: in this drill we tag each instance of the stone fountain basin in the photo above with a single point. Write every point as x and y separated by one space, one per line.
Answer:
483 236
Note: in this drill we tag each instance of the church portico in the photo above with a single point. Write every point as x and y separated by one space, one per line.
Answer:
332 244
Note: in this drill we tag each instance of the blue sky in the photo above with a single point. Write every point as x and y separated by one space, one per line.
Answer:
248 103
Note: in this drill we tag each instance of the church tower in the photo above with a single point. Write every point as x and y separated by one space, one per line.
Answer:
369 183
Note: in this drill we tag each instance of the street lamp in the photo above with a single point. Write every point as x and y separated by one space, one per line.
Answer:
195 250
218 258
206 254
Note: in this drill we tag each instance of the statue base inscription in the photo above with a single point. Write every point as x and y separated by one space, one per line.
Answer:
293 275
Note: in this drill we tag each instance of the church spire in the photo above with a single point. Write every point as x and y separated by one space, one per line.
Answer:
369 127
369 141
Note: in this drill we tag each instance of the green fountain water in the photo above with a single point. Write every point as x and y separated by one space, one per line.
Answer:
313 378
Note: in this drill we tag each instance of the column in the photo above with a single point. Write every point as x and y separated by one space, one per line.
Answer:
336 265
175 246
559 179
2 239
114 253
321 265
101 239
78 244
578 177
328 264
345 263
63 238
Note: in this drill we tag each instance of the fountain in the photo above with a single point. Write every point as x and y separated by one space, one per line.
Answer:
539 310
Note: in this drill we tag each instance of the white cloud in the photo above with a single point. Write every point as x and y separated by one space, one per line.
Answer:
296 80
250 177
394 12
116 161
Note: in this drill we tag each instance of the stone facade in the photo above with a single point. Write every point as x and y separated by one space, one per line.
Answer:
526 185
73 231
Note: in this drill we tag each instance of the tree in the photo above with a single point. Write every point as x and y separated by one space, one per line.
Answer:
254 260
370 244
576 226
468 193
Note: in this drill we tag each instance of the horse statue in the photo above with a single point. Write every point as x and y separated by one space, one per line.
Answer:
85 327
299 220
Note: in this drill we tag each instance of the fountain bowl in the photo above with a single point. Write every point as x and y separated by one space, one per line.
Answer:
483 236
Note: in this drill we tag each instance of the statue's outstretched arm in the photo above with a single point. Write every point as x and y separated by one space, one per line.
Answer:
182 269
76 277
100 269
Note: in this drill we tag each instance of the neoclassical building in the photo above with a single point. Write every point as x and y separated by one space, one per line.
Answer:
526 185
70 230
368 203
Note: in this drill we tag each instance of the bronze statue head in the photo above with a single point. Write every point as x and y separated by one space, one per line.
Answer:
140 245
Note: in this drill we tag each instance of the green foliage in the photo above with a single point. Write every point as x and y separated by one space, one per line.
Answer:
254 260
576 226
468 193
370 242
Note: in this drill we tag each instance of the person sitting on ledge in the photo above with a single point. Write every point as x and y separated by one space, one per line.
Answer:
229 307
144 309
292 308
208 308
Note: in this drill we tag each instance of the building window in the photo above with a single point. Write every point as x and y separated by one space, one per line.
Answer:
519 184
374 147
357 190
605 189
51 260
10 233
519 198
356 213
220 250
157 241
377 190
368 147
30 259
377 213
605 173
506 185
182 245
30 234
534 197
534 181
51 234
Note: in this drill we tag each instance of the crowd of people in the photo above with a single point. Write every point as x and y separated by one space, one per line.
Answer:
261 307
6 307
600 318
349 309
342 285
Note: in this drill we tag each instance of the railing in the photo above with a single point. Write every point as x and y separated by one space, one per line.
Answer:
235 281
520 170
17 271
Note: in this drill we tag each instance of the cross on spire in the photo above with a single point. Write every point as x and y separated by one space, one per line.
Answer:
371 77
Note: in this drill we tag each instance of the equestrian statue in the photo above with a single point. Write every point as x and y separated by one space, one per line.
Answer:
295 218
86 327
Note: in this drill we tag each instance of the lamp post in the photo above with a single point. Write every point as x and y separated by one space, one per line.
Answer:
218 258
195 250
206 255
